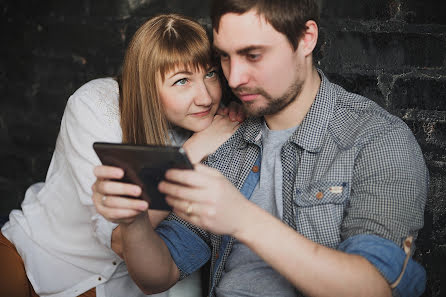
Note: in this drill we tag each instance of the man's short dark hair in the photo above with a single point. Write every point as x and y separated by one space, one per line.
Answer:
286 16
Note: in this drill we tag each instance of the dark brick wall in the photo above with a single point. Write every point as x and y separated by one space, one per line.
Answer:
392 51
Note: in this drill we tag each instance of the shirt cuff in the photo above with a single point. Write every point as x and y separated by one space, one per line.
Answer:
187 249
103 229
388 258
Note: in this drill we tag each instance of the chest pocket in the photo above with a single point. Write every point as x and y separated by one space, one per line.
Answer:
319 210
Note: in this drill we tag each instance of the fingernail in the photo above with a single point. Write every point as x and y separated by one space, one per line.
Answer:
143 206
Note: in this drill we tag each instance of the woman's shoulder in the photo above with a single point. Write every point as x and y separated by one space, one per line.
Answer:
100 96
97 89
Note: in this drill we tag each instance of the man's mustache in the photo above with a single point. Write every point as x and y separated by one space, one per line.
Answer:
244 90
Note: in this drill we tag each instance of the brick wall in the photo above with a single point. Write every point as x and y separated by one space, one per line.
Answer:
392 51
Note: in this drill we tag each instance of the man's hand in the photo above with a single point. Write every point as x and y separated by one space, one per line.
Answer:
205 198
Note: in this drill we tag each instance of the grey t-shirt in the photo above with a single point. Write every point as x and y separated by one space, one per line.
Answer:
246 274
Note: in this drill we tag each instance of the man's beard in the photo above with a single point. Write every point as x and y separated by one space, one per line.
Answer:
274 105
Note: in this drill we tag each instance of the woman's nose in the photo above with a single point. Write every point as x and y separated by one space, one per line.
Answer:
202 96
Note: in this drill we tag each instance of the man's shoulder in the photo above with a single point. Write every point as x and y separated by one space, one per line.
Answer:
357 119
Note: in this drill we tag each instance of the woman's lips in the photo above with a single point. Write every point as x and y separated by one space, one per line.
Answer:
201 113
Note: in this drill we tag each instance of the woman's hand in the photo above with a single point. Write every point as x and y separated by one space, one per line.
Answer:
205 142
234 111
110 203
108 200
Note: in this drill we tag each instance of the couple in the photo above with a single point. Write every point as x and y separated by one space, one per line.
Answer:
311 157
319 192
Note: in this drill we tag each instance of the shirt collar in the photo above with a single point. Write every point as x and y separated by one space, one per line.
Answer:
311 133
253 130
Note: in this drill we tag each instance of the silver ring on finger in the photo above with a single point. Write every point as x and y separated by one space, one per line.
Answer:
103 199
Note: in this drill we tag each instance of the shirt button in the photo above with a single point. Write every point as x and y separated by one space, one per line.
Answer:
319 195
255 168
217 255
114 262
99 278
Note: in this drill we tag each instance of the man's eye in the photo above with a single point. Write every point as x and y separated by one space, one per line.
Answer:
180 82
223 57
253 57
211 74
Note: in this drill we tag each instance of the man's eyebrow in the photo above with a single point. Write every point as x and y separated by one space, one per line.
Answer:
242 51
248 49
217 50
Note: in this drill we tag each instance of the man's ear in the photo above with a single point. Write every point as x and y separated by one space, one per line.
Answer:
308 41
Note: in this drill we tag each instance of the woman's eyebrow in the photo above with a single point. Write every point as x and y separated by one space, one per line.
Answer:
181 72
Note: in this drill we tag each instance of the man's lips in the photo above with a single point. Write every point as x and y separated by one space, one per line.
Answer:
247 97
201 113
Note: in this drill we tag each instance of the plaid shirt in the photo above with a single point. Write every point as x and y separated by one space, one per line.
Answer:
350 169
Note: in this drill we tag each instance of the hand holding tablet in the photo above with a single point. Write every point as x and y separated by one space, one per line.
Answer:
144 165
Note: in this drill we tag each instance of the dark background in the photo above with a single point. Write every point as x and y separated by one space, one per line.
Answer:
392 51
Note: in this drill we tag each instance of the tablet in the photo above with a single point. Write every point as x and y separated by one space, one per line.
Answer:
144 165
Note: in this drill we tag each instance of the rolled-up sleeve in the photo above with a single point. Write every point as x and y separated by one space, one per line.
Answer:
389 260
187 249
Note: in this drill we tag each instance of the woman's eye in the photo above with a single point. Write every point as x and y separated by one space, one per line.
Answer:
180 82
211 74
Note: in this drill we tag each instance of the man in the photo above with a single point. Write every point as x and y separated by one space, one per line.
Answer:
336 186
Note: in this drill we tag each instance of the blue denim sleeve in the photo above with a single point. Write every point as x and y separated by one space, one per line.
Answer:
187 249
388 258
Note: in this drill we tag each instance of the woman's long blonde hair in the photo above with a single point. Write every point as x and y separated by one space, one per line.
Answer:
158 46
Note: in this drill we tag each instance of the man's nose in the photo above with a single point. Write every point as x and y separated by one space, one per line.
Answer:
236 74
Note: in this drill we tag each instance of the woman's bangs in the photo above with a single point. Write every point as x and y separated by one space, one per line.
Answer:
192 56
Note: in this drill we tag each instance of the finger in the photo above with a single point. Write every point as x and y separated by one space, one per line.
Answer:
233 115
180 207
96 197
187 177
125 203
118 215
222 111
177 203
114 188
206 170
241 115
179 191
108 172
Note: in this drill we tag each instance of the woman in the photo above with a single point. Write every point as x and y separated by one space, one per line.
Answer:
168 90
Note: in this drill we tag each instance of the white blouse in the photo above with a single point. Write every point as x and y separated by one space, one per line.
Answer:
64 243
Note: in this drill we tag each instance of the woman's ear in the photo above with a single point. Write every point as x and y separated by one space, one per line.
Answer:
308 41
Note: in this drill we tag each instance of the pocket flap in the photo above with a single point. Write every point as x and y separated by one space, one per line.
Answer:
322 192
